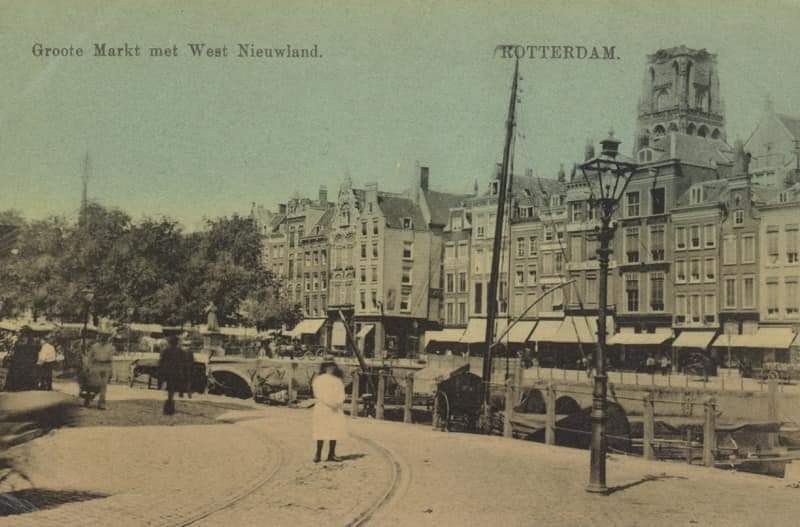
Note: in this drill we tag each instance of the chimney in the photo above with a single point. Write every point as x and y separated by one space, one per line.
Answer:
323 195
424 178
282 208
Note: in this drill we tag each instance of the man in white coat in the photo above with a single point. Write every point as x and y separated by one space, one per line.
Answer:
328 421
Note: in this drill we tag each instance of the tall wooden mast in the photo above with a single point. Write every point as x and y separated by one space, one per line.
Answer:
497 243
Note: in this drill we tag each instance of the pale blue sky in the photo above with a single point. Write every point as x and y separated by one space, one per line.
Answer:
399 82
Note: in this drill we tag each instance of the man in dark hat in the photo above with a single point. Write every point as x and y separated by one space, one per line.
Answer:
170 366
23 373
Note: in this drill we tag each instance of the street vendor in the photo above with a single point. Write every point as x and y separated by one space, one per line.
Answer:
328 421
98 368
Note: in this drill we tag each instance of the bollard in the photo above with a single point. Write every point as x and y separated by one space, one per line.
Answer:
689 445
409 398
550 423
381 395
435 416
509 410
355 393
772 409
290 384
709 433
648 412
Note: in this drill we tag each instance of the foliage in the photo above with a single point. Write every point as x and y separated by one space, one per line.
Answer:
147 271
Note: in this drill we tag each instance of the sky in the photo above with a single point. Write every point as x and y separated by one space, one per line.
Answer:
398 83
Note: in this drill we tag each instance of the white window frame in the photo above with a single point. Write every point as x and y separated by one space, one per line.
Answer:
651 280
709 239
754 299
629 206
709 262
681 269
680 235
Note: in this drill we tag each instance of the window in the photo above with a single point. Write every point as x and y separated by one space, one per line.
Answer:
773 254
291 268
363 250
408 250
592 246
480 231
307 279
363 274
632 244
363 228
710 235
462 313
307 302
449 251
657 201
577 211
405 301
657 243
405 277
316 257
749 292
695 309
374 273
680 309
408 224
680 271
362 295
576 248
374 250
772 298
519 277
316 282
559 262
657 291
694 271
696 196
547 264
710 271
632 291
462 251
710 308
548 234
792 300
680 237
478 260
521 250
533 245
557 300
323 283
738 217
375 227
694 236
729 249
323 257
478 298
450 283
591 289
632 204
531 275
560 233
730 292
791 244
308 259
449 314
748 248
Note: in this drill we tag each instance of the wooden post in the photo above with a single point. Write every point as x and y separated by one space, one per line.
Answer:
409 398
550 423
518 384
380 400
772 409
709 433
290 383
648 413
355 393
509 410
689 445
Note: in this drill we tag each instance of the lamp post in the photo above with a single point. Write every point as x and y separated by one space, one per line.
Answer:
88 297
607 178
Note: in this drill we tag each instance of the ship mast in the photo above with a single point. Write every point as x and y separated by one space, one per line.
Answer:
497 242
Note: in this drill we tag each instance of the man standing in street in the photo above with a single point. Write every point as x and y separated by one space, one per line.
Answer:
170 371
46 362
98 365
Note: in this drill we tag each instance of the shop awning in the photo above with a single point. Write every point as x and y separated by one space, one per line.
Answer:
444 335
640 339
475 332
545 331
338 334
309 326
520 331
364 331
764 338
694 339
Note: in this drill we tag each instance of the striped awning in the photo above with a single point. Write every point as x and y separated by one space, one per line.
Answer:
309 326
520 331
694 339
764 338
646 339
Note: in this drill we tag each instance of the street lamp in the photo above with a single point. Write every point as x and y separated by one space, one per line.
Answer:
607 177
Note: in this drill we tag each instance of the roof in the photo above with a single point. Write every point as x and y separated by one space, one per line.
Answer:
791 123
440 203
693 149
396 208
712 192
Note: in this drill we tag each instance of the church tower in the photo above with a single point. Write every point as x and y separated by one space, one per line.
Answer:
680 93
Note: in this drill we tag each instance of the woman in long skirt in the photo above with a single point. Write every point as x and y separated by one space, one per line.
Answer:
328 421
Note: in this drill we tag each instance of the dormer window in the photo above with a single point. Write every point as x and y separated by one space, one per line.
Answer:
783 197
408 224
495 188
696 195
645 155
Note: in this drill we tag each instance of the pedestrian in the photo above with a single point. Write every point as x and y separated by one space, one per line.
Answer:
650 364
170 372
22 371
187 364
665 364
328 421
46 361
98 369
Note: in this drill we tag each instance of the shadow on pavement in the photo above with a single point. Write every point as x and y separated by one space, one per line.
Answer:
32 500
646 479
